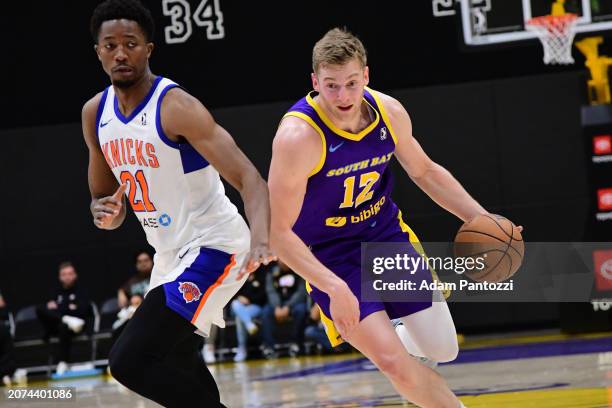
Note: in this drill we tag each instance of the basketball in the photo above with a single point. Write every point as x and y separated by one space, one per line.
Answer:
494 239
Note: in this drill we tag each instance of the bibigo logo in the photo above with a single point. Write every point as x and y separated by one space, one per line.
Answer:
190 291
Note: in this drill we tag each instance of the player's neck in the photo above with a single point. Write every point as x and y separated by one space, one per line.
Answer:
129 98
354 124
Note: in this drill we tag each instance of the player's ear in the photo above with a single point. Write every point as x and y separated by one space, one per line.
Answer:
150 47
315 81
366 74
97 50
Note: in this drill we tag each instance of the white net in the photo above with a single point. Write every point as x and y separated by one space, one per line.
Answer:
557 35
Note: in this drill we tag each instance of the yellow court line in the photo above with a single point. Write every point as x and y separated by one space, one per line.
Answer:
557 398
577 398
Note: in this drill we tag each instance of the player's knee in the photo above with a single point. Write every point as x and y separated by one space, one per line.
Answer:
121 364
391 364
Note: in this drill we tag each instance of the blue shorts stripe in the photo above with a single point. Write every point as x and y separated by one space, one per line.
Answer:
184 294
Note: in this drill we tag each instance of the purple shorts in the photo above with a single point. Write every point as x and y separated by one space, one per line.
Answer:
348 268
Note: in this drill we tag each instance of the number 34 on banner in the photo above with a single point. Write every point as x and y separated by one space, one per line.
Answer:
208 14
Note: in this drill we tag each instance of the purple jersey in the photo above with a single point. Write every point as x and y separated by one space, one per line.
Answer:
348 195
348 201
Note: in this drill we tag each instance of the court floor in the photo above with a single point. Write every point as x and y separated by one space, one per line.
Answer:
543 371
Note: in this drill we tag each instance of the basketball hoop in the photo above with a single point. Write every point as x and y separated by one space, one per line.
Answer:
557 35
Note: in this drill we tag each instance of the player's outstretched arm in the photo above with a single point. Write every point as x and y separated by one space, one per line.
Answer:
295 153
107 198
184 116
437 182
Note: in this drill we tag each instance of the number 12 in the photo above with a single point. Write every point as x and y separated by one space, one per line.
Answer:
366 182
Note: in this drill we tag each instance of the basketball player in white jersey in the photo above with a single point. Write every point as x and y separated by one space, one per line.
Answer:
151 142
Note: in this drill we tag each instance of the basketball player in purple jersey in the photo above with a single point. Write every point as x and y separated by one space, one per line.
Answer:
330 190
152 141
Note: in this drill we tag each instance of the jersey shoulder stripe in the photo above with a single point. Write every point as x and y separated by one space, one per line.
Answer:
190 158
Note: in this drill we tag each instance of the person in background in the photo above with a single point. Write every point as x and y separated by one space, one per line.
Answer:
132 292
247 306
315 330
126 314
139 283
65 312
286 301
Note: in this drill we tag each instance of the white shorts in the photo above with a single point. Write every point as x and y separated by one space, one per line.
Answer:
198 282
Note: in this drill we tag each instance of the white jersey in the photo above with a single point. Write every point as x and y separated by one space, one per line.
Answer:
176 194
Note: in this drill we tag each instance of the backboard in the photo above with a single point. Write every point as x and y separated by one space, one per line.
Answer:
486 22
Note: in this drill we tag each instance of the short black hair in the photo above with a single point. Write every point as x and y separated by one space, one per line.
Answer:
122 9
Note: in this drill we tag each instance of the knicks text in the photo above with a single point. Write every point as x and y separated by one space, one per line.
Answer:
128 151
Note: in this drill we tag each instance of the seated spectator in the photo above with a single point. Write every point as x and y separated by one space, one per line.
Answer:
248 306
65 313
7 354
287 295
127 312
132 292
315 331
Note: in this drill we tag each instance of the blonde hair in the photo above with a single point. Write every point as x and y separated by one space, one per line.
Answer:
337 47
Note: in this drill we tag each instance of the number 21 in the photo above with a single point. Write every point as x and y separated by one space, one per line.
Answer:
144 205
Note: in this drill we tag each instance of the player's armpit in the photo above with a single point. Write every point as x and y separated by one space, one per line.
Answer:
183 116
408 151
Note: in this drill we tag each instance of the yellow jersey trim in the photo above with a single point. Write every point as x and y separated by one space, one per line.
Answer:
343 133
383 112
332 333
316 127
414 240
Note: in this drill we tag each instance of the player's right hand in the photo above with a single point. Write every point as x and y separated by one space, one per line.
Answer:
344 309
106 209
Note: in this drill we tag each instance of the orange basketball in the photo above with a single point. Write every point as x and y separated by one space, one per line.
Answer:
497 240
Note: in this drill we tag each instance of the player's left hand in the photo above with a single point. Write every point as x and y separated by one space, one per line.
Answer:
259 254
